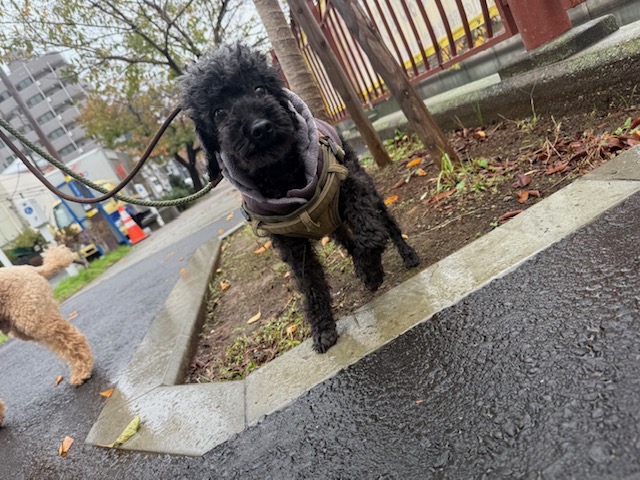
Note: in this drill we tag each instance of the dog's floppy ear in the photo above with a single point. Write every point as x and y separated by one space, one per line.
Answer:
211 147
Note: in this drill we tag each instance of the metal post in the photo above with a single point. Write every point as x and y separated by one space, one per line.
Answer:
539 21
4 260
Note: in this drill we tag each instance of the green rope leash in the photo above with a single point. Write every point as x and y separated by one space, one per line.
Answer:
145 203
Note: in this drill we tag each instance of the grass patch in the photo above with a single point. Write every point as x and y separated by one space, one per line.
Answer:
249 351
71 285
3 338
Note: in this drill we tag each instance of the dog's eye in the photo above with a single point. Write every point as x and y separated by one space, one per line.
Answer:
218 112
261 90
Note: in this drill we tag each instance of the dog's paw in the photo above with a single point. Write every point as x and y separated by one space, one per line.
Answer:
411 259
373 279
78 380
324 340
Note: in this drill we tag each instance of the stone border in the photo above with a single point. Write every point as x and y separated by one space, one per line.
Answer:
193 419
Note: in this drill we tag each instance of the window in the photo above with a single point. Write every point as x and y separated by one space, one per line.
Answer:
46 117
36 99
58 132
66 150
25 129
4 95
24 83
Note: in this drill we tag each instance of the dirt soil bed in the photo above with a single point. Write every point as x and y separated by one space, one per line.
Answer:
254 310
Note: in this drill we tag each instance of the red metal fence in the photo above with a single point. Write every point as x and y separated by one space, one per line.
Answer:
425 36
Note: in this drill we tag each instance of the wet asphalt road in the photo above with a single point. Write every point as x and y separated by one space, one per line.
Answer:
535 376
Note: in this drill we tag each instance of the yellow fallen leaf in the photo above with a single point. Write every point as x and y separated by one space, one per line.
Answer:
230 217
420 172
287 274
263 248
220 231
59 378
72 315
218 270
107 393
414 162
183 271
291 329
481 134
405 236
325 240
127 433
224 286
391 199
65 445
255 318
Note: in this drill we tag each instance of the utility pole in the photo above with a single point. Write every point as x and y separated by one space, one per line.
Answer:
304 17
25 111
396 79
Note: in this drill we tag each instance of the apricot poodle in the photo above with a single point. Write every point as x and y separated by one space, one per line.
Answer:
29 311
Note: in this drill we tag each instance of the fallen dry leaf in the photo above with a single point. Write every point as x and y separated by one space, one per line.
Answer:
441 195
535 193
418 402
72 315
420 172
412 211
414 163
255 318
557 168
65 445
59 378
481 134
405 236
263 248
399 183
224 286
523 196
325 240
635 123
291 329
523 181
183 271
220 231
230 217
127 433
506 216
107 393
391 199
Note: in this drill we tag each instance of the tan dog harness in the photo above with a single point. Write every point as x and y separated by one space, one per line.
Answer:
318 217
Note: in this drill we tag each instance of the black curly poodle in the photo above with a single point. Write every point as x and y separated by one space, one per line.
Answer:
262 137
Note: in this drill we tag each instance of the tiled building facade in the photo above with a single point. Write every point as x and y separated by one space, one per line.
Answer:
53 101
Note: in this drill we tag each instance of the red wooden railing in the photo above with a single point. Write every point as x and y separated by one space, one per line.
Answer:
425 36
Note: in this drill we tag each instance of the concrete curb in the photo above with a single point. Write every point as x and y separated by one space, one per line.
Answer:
193 419
570 43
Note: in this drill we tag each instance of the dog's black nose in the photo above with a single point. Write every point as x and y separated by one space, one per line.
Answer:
261 130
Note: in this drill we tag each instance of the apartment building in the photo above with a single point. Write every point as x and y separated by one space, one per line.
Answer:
54 103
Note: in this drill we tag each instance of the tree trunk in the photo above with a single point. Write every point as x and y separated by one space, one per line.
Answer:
304 17
396 79
289 56
190 165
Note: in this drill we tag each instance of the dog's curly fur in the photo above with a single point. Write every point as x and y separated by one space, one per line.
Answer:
226 93
29 311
